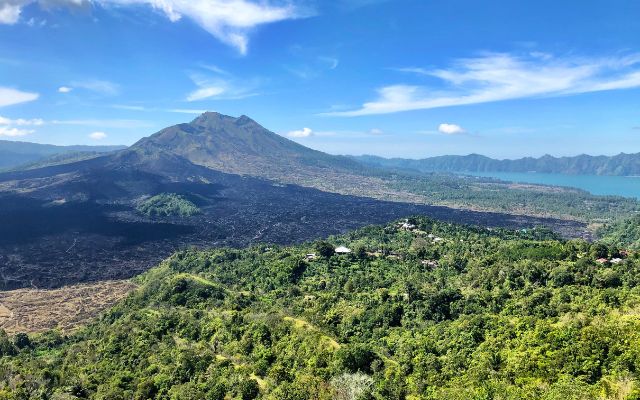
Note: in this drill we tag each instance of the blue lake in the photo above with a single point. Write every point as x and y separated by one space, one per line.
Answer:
627 186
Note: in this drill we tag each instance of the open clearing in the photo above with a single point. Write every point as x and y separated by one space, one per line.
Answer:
37 310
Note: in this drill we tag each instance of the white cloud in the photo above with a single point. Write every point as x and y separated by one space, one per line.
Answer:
13 132
497 77
10 13
8 126
302 133
21 122
451 129
64 89
230 21
376 131
10 96
98 135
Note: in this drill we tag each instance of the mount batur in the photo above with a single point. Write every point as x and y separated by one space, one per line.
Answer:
215 181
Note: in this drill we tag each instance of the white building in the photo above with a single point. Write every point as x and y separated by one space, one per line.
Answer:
342 250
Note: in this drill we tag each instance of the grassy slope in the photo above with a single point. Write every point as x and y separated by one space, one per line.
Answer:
503 315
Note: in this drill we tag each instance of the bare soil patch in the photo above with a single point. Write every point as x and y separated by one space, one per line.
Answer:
66 308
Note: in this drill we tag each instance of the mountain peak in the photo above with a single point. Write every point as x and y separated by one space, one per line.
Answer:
240 145
208 117
213 120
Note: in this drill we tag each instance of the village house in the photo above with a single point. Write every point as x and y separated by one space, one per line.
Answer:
430 263
342 250
407 226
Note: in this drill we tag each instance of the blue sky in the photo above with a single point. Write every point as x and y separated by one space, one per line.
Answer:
392 78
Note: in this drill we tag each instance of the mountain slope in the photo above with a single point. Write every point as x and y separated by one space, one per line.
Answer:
242 146
621 164
14 154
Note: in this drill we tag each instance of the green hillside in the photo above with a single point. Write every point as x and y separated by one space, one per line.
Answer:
624 232
435 311
168 205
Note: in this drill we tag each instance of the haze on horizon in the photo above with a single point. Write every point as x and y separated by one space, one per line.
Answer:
397 79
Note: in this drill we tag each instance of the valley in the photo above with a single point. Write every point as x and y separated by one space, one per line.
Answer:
94 230
88 242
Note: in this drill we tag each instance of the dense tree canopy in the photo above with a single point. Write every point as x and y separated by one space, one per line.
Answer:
168 205
624 232
436 311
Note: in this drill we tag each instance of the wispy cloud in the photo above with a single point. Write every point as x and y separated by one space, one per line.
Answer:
496 77
106 123
219 87
21 121
312 67
230 21
14 132
130 107
15 127
186 111
155 109
350 134
64 89
9 96
105 88
331 62
205 93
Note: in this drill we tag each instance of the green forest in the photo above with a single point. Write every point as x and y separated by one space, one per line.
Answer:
625 232
168 205
419 309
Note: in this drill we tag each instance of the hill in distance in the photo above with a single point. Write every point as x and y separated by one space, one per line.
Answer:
17 154
619 165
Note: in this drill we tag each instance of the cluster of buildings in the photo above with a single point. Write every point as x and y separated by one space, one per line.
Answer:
611 261
338 250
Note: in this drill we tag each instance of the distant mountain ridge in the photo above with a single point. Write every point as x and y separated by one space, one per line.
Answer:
14 154
619 165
